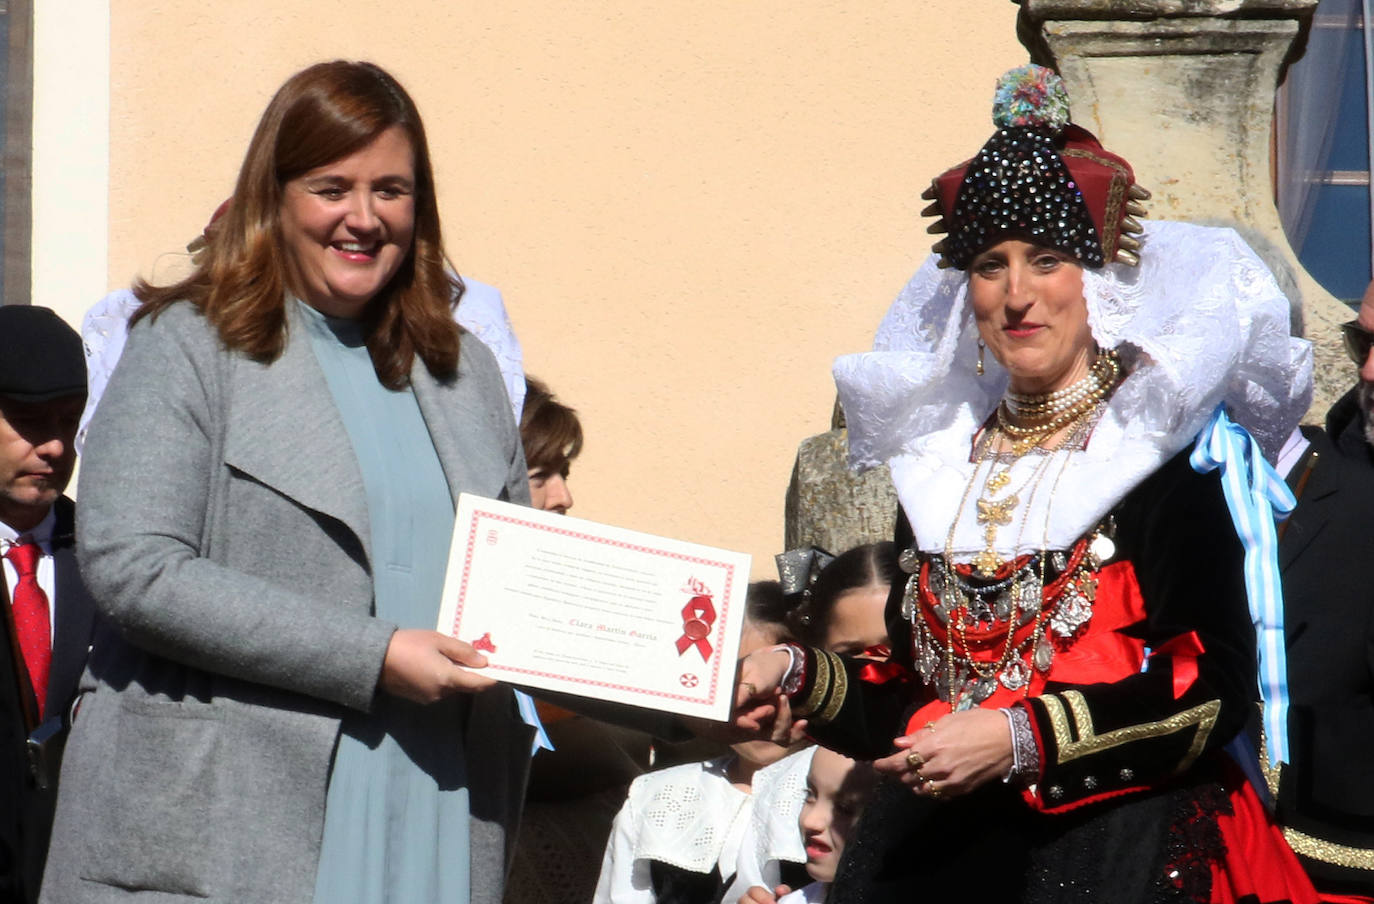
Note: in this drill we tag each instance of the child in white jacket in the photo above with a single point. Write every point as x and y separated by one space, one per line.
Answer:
678 837
836 790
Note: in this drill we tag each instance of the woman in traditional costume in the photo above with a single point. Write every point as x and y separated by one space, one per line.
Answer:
1064 408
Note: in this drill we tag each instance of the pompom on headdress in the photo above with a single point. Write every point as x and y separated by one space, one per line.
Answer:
1040 178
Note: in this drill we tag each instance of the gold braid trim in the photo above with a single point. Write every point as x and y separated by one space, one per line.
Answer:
1272 774
840 691
1116 196
1329 851
819 688
1204 716
1310 846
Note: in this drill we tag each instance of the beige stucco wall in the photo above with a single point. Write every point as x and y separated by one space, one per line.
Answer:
691 207
70 189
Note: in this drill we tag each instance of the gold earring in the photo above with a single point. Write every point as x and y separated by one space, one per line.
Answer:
980 357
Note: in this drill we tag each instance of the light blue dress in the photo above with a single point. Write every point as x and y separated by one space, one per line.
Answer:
396 813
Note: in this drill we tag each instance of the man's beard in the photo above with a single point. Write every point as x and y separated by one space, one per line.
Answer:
1365 394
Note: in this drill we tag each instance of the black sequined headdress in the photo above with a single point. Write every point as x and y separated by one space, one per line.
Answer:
1039 178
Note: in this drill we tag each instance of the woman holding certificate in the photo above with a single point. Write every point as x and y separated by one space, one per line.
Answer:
267 504
1054 394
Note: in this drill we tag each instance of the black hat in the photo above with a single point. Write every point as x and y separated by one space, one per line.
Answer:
41 357
1040 178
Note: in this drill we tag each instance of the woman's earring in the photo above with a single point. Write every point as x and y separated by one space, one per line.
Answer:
980 357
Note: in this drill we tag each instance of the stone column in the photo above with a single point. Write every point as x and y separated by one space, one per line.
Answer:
1184 89
830 506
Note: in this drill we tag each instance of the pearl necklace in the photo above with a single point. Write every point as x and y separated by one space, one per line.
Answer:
1029 419
1024 422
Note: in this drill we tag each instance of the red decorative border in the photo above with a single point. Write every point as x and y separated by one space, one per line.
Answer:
719 633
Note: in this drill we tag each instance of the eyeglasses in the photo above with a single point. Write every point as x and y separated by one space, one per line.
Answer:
1357 341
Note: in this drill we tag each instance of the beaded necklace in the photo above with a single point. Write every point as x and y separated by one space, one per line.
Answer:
1030 419
1011 596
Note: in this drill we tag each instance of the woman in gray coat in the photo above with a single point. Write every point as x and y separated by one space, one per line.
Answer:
267 502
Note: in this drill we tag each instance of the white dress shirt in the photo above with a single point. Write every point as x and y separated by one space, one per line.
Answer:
1291 453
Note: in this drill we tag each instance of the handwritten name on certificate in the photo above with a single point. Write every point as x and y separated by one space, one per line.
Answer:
569 605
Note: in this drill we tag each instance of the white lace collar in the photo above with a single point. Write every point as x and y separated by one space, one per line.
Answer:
687 815
779 792
1201 322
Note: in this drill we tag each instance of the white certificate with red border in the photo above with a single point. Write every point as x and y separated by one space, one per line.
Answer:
570 605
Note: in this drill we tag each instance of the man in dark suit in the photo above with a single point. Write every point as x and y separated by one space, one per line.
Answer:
1326 553
1350 422
47 620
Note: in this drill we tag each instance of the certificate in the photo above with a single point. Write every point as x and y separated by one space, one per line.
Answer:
570 605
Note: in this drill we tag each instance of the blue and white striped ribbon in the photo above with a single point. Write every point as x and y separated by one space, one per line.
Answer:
530 716
1255 494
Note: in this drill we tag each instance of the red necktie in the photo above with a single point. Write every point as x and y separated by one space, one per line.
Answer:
31 620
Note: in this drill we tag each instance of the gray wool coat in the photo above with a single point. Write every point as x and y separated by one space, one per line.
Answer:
224 534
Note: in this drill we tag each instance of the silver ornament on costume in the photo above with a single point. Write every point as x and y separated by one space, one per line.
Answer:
911 599
1030 597
927 658
1044 655
1003 606
1016 675
1073 612
949 602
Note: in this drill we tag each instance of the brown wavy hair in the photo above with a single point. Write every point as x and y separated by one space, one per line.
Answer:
549 430
320 115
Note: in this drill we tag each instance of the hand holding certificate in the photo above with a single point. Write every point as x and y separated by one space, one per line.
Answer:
565 604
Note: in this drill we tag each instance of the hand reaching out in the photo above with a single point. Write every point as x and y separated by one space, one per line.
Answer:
761 708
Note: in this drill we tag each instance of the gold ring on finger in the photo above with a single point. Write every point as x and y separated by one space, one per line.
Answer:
933 789
930 726
915 760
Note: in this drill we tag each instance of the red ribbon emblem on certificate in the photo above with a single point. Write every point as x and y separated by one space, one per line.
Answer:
697 617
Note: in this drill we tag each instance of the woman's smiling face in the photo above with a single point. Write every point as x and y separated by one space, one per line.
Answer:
1028 302
347 226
